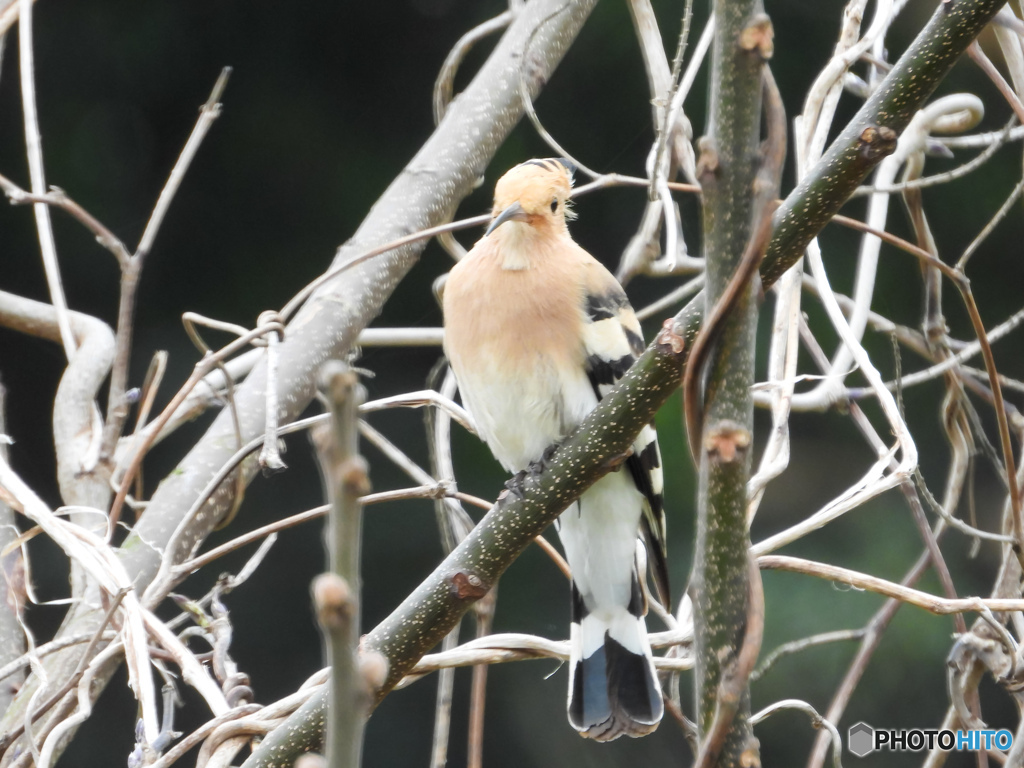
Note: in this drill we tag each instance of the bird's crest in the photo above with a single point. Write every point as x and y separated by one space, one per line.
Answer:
552 163
541 188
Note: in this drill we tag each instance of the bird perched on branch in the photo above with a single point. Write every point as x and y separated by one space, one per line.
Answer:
537 331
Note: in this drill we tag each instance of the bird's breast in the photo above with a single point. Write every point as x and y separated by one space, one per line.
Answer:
514 340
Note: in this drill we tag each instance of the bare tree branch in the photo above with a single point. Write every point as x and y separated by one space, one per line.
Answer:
426 193
436 605
336 593
76 422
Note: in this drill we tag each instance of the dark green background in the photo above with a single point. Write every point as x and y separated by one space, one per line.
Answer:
327 103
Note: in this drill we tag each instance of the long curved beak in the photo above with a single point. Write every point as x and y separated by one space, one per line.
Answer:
514 212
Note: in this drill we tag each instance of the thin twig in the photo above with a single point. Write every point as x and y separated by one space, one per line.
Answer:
997 217
938 605
59 726
795 646
34 713
932 547
46 649
531 112
209 112
270 455
202 368
483 611
986 66
454 524
817 721
197 736
873 632
34 149
443 704
299 298
952 361
117 409
58 198
444 86
194 564
983 139
947 176
671 299
513 646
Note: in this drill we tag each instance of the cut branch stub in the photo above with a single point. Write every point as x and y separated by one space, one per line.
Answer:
726 441
876 142
468 586
758 36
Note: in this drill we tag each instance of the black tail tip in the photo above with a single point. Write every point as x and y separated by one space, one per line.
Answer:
614 693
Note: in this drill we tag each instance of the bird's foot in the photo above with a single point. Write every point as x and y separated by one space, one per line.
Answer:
550 451
515 484
540 466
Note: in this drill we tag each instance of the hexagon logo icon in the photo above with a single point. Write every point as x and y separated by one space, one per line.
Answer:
861 739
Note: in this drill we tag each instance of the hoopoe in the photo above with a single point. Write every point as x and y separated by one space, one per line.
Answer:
537 331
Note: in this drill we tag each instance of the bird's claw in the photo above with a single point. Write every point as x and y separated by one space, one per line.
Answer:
515 484
540 466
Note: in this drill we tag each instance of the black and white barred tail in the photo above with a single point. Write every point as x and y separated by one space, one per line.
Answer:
613 687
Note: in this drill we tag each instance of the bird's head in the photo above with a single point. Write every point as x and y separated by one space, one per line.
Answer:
535 192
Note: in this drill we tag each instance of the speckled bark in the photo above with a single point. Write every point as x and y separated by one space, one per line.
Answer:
429 613
729 162
426 193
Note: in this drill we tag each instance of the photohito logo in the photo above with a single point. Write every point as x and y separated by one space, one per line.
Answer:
862 739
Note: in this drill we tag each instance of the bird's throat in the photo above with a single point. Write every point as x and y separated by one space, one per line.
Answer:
515 259
518 241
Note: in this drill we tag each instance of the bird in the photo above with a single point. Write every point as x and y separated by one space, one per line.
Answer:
537 331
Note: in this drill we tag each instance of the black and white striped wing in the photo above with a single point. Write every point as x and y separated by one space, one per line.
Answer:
613 342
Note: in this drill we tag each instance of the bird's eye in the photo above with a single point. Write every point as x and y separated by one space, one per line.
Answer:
554 205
